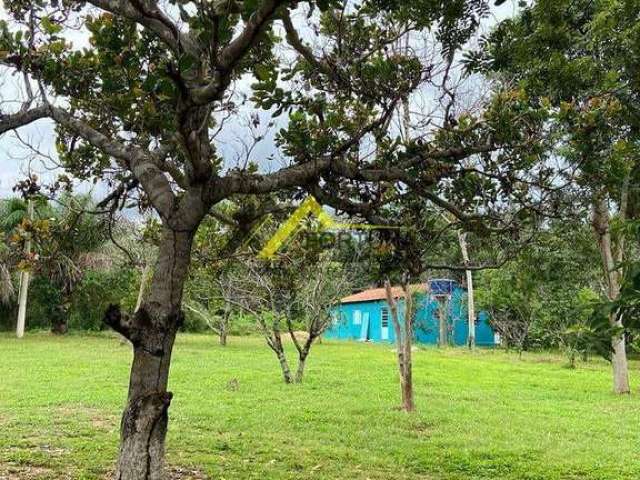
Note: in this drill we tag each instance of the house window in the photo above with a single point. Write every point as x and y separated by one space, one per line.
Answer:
357 317
385 317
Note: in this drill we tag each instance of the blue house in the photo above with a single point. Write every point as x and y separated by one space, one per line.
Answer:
441 316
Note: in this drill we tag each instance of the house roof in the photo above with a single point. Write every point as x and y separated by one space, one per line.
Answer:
380 294
438 287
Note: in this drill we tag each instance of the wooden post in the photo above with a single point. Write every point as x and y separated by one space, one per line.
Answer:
471 310
24 282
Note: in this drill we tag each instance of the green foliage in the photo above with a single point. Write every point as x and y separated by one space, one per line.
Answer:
549 290
239 324
83 309
66 243
12 211
580 58
96 291
45 301
626 307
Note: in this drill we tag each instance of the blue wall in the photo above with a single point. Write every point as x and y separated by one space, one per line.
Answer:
347 327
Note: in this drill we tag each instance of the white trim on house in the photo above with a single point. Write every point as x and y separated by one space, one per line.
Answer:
384 323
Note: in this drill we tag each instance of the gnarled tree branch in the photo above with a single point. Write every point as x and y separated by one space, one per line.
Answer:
235 51
148 14
22 118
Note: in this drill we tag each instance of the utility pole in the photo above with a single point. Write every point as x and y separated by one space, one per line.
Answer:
24 280
471 310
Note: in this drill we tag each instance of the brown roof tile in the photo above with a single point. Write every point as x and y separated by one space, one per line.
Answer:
379 294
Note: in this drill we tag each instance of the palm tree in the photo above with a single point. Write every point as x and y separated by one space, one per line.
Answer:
76 236
7 290
12 212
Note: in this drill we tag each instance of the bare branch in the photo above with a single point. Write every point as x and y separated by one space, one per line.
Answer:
294 40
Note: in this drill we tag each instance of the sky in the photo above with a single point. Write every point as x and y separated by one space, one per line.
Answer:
17 159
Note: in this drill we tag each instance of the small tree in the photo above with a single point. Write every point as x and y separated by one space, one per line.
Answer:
511 298
403 318
327 284
205 300
218 320
254 288
291 295
218 250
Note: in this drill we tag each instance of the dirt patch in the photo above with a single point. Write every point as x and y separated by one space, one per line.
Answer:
173 473
52 451
421 429
27 472
5 419
30 446
99 419
301 335
180 473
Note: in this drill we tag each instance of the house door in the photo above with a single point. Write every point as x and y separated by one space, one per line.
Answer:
384 324
364 331
357 324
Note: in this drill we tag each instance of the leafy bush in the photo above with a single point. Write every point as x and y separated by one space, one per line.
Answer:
97 290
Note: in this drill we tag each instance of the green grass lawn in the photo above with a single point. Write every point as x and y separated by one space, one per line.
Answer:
482 415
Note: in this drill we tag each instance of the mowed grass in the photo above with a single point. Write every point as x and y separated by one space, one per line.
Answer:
482 415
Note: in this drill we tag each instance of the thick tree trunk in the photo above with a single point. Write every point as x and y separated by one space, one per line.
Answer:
601 226
59 326
223 336
152 331
619 361
144 422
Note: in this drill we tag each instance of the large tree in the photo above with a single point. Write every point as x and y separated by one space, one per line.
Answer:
582 58
140 106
